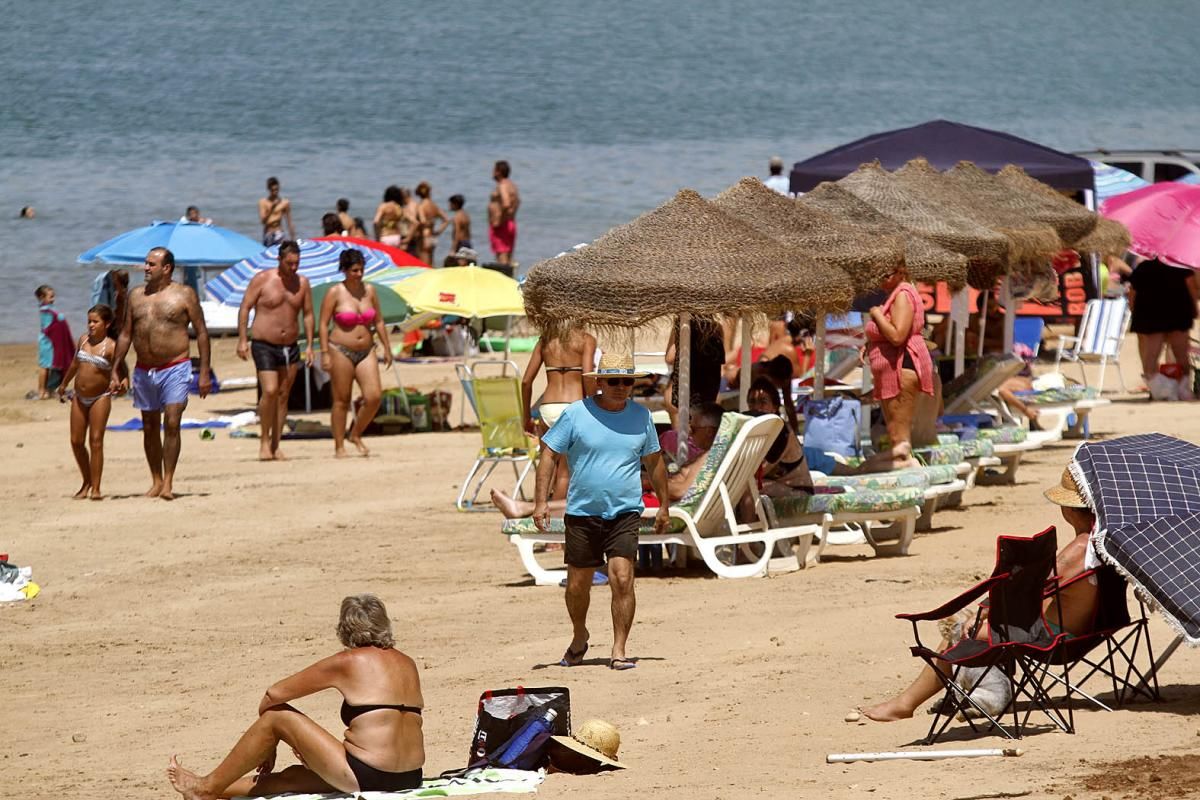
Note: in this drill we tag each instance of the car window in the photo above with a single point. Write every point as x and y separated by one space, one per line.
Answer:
1129 166
1166 171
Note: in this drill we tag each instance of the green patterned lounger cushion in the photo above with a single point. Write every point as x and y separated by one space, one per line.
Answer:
900 479
525 526
947 438
731 423
1010 434
940 454
1069 394
977 448
862 501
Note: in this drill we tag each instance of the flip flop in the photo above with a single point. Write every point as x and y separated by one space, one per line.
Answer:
573 659
621 664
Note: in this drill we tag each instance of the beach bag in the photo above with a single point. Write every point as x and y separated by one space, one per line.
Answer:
831 425
504 712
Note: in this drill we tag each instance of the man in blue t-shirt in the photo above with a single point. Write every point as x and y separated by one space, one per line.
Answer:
605 439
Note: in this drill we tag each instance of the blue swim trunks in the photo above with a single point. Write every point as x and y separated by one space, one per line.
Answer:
156 387
819 461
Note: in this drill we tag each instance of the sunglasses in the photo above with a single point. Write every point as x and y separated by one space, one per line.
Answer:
619 381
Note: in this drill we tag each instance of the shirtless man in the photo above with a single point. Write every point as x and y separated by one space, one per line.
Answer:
157 327
343 212
430 213
272 211
502 231
278 297
461 221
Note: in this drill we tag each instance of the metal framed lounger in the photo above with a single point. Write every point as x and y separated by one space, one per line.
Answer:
705 520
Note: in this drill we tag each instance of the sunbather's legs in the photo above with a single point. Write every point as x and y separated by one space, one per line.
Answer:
579 599
904 704
1149 347
341 375
513 508
898 413
624 602
369 383
1180 342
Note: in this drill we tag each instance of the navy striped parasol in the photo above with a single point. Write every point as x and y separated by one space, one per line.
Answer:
318 263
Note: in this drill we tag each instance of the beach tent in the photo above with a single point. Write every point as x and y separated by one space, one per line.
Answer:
318 263
1111 181
944 144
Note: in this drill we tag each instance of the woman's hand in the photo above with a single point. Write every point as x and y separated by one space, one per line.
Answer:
267 766
877 314
325 360
387 358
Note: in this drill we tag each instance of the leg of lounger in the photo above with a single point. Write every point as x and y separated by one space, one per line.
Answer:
541 576
826 524
906 536
466 485
522 474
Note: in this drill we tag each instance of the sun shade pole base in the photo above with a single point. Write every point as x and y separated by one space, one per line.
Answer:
819 362
921 755
960 317
683 360
307 388
744 372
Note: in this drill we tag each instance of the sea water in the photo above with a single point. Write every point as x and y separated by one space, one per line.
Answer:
119 112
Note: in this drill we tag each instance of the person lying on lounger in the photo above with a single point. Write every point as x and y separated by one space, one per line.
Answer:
1077 603
384 749
703 424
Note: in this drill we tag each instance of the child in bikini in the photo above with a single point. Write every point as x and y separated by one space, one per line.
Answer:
92 370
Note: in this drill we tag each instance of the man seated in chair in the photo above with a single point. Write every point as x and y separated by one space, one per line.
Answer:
703 424
1077 604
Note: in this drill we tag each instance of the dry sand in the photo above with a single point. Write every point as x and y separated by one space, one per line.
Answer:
160 624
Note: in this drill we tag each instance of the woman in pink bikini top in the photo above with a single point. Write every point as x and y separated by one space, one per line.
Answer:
899 361
348 347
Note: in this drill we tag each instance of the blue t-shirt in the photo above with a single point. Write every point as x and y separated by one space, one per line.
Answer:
604 450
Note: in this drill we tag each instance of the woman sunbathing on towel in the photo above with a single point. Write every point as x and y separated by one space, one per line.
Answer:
1078 603
383 750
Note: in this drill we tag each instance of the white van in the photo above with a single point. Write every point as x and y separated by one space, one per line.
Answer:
1150 165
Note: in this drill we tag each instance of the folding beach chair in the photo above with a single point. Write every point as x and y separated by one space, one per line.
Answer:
704 519
1020 644
1028 331
1101 333
497 403
1113 648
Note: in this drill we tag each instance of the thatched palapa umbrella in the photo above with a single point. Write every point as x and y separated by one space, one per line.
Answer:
1105 238
1071 221
986 250
867 258
926 261
1030 243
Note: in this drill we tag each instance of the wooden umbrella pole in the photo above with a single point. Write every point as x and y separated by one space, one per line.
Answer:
819 363
744 371
983 299
683 361
960 316
1010 314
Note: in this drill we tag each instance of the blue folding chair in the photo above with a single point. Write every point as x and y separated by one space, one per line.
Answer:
1028 331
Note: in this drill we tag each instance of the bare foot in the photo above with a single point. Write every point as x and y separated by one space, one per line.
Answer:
905 463
155 489
186 782
167 492
362 448
340 453
265 454
44 396
83 491
279 456
507 505
96 494
887 712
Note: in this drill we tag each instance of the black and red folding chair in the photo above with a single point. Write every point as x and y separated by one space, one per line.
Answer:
1011 636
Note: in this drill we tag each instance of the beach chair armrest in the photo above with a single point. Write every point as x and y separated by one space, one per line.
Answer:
957 604
1063 339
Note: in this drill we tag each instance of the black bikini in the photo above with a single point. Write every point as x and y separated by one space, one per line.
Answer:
369 778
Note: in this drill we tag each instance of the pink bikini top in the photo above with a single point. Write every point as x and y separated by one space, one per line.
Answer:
349 319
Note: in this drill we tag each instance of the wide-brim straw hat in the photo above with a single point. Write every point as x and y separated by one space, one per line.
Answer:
867 258
686 256
979 199
925 260
616 365
595 739
986 250
1066 493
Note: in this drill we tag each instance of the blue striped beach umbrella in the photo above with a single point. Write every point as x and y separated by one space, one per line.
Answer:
1111 181
193 244
1191 178
318 263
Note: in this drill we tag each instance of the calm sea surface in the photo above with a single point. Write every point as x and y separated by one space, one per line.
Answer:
116 113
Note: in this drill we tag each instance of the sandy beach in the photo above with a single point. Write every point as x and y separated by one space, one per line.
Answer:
160 624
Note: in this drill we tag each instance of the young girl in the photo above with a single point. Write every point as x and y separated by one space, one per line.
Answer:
92 370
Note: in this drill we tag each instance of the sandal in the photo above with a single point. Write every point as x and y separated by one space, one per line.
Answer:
621 664
572 658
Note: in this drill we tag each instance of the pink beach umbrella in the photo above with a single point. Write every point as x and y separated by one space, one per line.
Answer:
1163 220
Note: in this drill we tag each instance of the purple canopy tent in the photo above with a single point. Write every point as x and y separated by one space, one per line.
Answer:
943 144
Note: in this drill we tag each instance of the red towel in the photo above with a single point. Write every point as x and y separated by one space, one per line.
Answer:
59 334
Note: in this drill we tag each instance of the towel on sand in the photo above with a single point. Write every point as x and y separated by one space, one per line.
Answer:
484 781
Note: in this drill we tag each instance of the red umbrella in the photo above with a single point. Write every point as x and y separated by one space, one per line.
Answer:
399 257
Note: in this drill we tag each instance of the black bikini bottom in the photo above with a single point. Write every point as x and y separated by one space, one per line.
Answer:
377 780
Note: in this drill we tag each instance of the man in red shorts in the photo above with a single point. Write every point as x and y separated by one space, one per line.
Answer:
502 214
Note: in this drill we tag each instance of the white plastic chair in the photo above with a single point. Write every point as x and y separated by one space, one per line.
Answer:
1101 334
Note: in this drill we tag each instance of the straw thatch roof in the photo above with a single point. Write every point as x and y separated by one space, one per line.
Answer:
986 250
1071 220
867 258
925 260
685 256
1105 236
1030 243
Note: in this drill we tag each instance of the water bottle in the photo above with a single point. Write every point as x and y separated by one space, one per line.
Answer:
516 746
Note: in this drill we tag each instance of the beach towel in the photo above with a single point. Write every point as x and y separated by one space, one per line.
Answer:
484 781
59 334
135 424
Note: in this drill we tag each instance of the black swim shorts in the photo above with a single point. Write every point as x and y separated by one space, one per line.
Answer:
270 357
590 540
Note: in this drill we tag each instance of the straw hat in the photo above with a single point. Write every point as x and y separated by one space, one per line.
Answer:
596 740
1067 492
616 365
